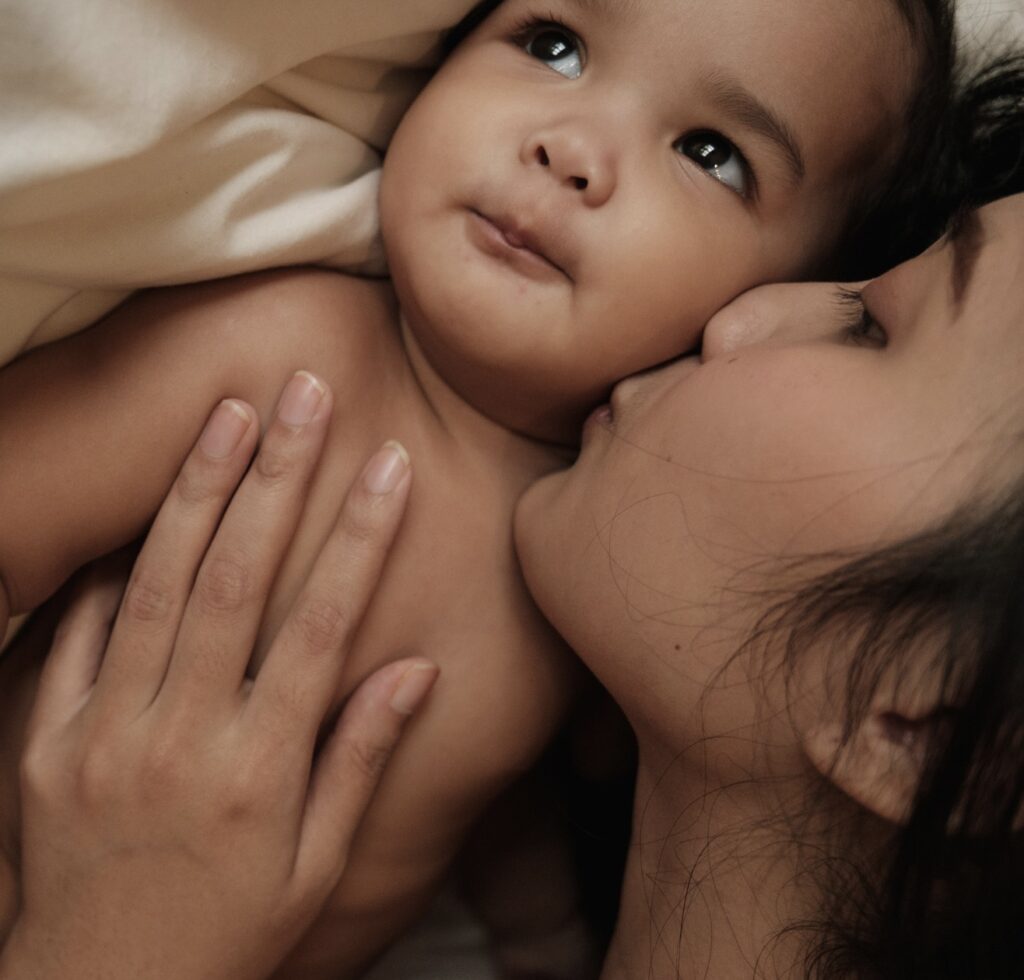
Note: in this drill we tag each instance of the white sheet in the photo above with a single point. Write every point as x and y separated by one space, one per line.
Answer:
162 141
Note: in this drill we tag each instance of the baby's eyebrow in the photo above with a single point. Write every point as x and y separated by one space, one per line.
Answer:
739 102
606 7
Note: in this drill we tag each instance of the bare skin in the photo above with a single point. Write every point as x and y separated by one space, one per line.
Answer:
550 226
457 525
176 822
801 429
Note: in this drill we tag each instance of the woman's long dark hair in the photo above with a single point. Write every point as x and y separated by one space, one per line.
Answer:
966 149
950 903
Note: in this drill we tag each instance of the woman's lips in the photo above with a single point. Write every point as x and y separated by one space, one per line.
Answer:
517 248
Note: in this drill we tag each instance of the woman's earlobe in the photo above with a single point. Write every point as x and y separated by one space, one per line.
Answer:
879 762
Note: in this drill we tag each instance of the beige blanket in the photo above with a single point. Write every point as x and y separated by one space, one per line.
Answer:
165 141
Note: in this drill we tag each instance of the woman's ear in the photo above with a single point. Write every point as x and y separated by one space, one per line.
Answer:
879 762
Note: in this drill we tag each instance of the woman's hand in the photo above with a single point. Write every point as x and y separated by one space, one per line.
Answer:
178 820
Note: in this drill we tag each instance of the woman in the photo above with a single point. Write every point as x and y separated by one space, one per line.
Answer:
796 560
793 560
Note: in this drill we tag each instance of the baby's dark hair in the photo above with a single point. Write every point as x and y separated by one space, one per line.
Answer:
948 905
949 159
468 24
897 213
964 148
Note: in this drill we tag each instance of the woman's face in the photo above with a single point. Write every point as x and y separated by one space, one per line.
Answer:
801 429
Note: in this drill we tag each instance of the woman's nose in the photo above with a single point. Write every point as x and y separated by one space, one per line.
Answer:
778 314
580 161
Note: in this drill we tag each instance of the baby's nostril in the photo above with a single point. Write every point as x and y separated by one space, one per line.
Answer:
580 183
542 157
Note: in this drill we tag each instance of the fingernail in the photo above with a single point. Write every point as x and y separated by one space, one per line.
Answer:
387 467
300 399
224 430
412 688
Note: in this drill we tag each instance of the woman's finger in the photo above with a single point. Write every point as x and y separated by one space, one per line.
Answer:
69 671
302 671
223 614
158 589
351 764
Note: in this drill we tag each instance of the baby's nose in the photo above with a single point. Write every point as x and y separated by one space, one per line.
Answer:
579 161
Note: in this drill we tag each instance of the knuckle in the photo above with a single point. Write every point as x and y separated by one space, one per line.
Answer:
224 583
98 777
322 623
273 466
288 703
369 759
244 793
161 770
37 775
361 525
147 599
193 486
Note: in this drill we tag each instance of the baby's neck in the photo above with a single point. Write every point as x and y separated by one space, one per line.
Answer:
495 411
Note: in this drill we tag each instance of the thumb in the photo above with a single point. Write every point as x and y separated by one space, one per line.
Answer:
351 763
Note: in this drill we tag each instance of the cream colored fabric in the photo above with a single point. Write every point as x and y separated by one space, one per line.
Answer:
989 25
146 142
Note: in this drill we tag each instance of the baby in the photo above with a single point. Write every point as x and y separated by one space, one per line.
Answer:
580 187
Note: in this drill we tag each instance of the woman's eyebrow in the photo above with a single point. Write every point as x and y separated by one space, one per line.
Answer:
745 108
966 237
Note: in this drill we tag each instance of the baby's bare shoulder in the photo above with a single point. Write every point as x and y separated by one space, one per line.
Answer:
288 318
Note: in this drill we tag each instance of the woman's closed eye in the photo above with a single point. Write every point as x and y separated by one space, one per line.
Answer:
720 158
554 44
860 327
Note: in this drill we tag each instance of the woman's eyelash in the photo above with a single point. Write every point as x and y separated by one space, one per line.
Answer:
860 327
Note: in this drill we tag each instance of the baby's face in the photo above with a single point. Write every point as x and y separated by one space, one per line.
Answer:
583 184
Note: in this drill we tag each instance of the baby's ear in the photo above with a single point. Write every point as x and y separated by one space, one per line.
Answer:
880 761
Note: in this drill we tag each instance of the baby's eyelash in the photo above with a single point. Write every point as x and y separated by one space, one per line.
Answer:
859 327
519 30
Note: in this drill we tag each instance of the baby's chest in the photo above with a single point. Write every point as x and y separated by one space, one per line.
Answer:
436 594
451 593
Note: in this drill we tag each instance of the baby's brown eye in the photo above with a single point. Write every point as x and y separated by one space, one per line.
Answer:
550 46
556 47
710 151
719 156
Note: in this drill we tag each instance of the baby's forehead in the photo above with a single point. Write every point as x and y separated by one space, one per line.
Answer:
837 73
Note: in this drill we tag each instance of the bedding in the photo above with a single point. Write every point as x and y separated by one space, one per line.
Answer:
167 141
